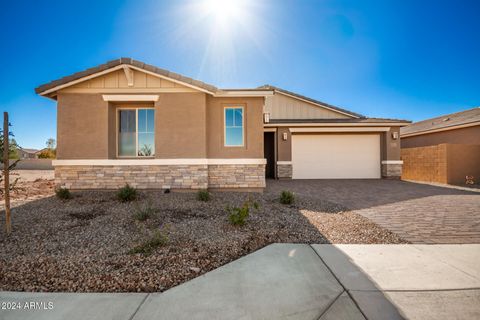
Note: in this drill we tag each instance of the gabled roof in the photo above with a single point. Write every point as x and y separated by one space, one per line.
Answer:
317 102
129 62
445 122
353 120
29 150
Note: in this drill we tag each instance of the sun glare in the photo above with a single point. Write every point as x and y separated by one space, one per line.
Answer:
217 27
222 9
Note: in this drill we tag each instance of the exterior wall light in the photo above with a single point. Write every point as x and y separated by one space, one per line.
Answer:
394 135
266 117
284 136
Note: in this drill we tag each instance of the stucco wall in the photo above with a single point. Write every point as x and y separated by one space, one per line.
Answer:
185 126
284 147
391 147
180 125
253 122
82 130
469 135
463 160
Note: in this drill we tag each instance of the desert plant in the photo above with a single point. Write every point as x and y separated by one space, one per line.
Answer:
157 240
47 154
63 193
287 197
203 195
145 151
127 193
238 215
145 212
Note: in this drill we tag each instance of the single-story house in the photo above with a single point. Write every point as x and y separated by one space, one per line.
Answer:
444 149
129 122
25 153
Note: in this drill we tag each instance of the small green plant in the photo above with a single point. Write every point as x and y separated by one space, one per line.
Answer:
203 195
287 197
63 193
145 212
157 240
127 193
238 215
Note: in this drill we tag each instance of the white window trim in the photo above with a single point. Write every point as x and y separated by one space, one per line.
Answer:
117 112
225 126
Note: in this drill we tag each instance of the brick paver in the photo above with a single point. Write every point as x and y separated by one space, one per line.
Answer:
418 213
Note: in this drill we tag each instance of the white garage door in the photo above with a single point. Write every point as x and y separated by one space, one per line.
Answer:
335 156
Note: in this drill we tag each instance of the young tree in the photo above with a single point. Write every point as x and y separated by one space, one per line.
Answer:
6 149
51 143
50 152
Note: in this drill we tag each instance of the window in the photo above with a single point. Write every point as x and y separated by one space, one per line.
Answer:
136 132
234 127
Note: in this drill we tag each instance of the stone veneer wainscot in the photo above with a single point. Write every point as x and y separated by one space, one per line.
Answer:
185 176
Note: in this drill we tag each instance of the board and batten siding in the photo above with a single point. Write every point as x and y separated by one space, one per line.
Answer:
281 106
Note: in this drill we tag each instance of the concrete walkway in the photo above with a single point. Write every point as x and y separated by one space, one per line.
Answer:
295 281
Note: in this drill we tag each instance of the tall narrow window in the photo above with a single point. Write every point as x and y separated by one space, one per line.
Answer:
234 127
136 132
146 133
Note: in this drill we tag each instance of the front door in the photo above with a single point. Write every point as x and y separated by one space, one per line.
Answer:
269 154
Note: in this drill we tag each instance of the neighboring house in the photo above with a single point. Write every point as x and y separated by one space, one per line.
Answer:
444 149
24 153
130 122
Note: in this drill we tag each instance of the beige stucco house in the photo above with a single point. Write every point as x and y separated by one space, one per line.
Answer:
129 122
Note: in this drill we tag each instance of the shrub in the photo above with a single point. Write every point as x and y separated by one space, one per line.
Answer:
203 195
127 193
287 197
63 193
157 240
145 212
238 216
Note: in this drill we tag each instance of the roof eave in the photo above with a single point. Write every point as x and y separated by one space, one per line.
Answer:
54 86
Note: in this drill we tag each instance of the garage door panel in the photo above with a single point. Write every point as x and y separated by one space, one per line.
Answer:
335 156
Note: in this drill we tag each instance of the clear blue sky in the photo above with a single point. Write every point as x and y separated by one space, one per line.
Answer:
409 59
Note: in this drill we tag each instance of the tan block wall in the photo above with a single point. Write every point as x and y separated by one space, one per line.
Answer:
161 176
236 176
443 163
425 163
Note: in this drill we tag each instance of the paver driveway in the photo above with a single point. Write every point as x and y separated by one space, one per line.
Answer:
419 213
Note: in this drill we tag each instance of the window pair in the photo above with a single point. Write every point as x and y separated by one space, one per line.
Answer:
136 131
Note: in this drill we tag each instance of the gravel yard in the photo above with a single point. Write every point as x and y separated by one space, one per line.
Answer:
85 243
